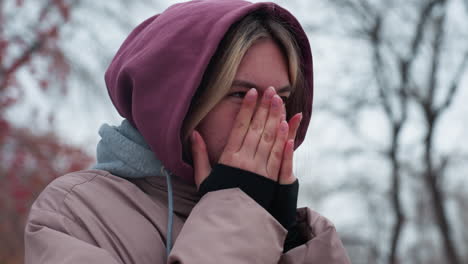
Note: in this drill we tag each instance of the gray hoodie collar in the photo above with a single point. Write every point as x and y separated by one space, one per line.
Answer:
123 151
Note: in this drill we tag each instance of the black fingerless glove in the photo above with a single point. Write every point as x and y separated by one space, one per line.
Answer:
259 188
284 208
285 204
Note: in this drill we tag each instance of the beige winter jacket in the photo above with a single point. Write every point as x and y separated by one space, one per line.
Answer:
93 216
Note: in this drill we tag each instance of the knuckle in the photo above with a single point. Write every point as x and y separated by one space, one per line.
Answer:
267 137
256 126
240 125
277 154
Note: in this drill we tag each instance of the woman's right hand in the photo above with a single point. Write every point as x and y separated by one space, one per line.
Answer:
257 140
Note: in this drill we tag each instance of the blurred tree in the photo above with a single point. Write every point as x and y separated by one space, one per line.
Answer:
28 162
55 52
412 57
29 44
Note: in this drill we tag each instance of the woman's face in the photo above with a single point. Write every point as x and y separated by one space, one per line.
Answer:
263 65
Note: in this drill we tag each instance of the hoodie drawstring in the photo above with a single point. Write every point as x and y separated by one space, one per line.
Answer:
170 211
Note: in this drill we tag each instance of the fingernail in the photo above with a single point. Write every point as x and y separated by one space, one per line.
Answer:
251 94
270 92
193 137
252 91
284 126
276 101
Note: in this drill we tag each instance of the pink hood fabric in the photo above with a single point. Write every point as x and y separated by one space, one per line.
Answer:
158 68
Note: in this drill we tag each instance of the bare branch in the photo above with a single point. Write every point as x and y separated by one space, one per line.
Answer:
422 21
435 62
454 84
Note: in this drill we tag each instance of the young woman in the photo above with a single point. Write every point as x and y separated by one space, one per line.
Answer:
216 95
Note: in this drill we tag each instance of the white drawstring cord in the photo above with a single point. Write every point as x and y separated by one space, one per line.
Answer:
170 211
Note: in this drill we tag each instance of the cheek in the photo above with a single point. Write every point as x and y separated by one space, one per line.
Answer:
215 128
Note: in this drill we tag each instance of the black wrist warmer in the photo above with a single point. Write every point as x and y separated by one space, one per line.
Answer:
285 204
259 188
284 210
293 239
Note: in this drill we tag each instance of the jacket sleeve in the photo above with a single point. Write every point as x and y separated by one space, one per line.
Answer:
323 243
49 238
87 218
227 226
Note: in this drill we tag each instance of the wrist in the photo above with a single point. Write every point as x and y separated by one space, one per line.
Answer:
259 188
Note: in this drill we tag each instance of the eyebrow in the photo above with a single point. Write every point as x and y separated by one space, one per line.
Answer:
247 84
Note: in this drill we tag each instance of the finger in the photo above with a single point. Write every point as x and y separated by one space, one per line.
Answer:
269 132
286 175
276 155
286 172
283 114
242 122
256 128
201 162
294 123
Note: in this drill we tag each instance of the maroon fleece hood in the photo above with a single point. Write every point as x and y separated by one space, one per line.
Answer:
156 71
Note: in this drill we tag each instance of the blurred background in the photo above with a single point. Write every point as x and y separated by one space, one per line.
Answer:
386 155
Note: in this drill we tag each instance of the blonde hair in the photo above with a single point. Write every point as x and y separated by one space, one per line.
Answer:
222 69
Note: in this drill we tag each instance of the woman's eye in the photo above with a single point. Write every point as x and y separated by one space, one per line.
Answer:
242 95
238 94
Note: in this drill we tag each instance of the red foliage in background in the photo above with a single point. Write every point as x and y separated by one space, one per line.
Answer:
30 160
